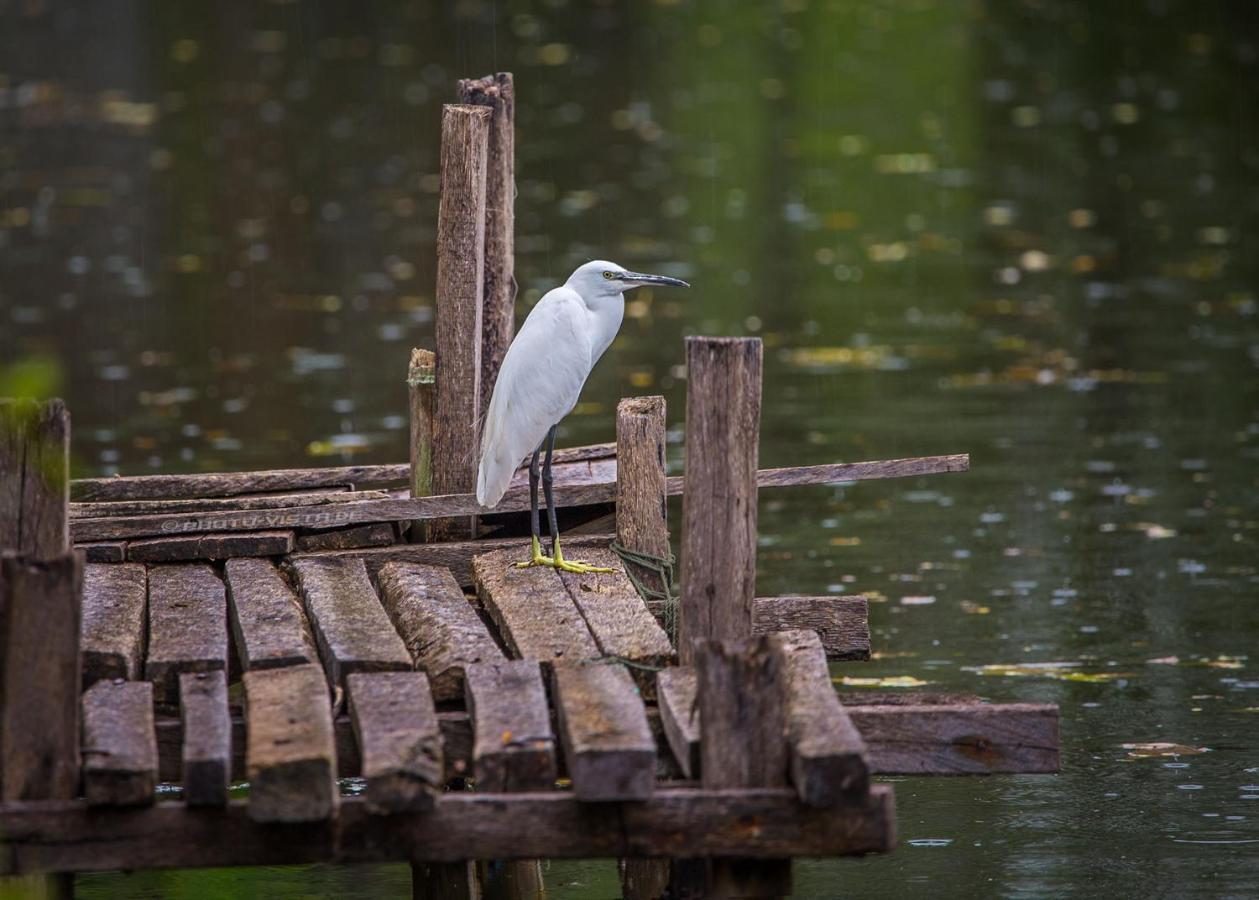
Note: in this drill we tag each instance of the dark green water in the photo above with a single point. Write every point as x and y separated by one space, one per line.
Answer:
1025 230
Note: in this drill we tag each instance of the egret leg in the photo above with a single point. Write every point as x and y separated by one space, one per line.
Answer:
557 555
535 523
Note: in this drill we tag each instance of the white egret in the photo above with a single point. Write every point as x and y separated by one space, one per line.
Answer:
538 385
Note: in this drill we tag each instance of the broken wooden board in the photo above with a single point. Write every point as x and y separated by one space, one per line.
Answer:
608 745
842 622
112 637
207 744
210 546
352 629
268 622
290 755
119 744
104 551
676 689
187 626
531 607
441 630
399 740
513 746
377 534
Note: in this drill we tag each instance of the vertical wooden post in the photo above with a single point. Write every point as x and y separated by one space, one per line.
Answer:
723 412
498 323
421 396
34 478
460 274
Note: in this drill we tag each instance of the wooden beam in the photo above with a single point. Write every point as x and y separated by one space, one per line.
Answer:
608 745
34 481
210 546
594 493
112 640
352 629
439 626
104 551
207 746
841 622
513 746
119 744
399 740
187 626
268 622
378 534
422 399
220 504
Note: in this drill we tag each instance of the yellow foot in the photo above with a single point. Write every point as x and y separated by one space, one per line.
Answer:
535 558
559 562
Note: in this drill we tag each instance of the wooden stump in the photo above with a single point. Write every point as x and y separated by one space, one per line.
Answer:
422 400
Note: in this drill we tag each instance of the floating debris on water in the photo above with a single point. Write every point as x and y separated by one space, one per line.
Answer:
1161 749
891 681
1059 671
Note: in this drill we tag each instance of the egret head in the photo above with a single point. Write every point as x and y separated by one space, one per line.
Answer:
601 278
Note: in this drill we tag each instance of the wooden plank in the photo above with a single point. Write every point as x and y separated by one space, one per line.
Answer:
210 546
268 622
842 622
378 534
608 746
352 629
513 745
207 744
828 756
441 630
399 740
187 626
112 638
34 480
66 836
642 521
119 744
676 690
220 504
531 607
290 756
595 493
104 551
40 676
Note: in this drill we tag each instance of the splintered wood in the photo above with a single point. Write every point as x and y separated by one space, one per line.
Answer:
268 621
112 641
119 744
399 740
187 626
440 628
608 745
290 755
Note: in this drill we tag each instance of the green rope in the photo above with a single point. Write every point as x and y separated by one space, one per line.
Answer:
662 567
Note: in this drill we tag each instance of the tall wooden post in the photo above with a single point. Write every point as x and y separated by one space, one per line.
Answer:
460 275
421 397
723 413
498 323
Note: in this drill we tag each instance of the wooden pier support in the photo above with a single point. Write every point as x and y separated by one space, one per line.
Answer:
642 510
422 400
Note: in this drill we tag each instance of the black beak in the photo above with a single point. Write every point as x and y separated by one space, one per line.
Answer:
652 279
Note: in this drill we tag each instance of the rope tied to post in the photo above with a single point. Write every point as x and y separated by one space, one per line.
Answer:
662 567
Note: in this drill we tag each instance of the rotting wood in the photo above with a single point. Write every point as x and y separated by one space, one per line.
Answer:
533 611
513 744
422 399
608 745
842 622
119 744
399 739
187 626
219 504
642 522
207 744
210 546
828 757
113 624
676 690
516 499
268 622
104 551
351 628
497 93
34 480
64 835
378 534
290 754
440 628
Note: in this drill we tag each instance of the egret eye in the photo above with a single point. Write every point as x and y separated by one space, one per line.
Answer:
607 275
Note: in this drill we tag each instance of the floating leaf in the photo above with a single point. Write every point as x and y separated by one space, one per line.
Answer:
917 601
1158 749
845 541
1059 671
974 609
891 681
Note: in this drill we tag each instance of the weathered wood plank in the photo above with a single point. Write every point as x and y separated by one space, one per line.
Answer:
440 628
828 756
513 745
608 746
112 640
515 500
642 520
40 676
378 534
104 551
210 546
399 739
119 744
842 622
532 609
207 744
676 690
352 629
66 836
187 626
268 622
290 755
221 504
34 477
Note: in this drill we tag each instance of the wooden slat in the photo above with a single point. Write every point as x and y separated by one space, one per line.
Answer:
119 744
515 500
828 756
268 622
207 745
532 609
676 689
399 739
440 628
220 504
210 546
378 534
608 745
34 485
841 622
290 755
104 551
187 626
514 746
112 641
351 628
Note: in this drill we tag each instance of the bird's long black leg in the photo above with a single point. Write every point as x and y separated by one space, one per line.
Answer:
535 518
548 487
